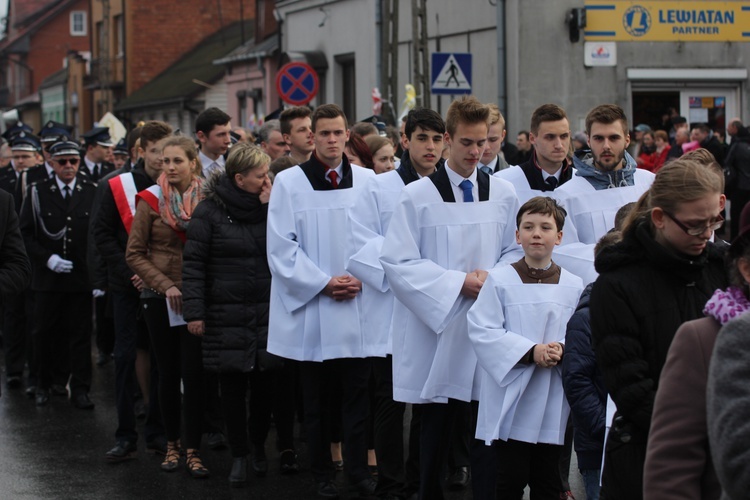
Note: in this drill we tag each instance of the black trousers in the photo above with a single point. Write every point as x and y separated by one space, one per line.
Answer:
64 326
317 382
179 358
437 423
263 391
18 324
521 464
483 463
105 327
389 430
128 326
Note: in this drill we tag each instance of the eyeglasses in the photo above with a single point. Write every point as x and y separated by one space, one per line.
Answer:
697 231
65 161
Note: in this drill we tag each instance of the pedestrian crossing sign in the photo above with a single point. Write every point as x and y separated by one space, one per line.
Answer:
451 73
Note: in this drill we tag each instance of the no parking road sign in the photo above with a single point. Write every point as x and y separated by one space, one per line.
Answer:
297 83
451 73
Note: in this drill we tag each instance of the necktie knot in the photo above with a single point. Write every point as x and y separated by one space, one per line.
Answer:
551 182
466 186
333 176
66 190
487 170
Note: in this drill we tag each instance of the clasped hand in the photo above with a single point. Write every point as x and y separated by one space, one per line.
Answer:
341 288
548 355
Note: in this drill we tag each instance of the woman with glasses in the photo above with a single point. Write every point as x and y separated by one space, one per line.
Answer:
662 274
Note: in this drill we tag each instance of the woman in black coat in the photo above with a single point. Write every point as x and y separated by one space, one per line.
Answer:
226 290
660 275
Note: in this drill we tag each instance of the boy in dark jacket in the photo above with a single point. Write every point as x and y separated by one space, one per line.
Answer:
584 388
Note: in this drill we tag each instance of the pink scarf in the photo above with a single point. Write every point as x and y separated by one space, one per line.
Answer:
724 306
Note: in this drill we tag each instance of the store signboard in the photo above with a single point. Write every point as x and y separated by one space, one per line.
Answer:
668 21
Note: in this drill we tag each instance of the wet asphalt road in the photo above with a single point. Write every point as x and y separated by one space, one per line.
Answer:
57 452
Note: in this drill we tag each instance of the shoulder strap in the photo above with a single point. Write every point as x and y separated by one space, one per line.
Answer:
124 192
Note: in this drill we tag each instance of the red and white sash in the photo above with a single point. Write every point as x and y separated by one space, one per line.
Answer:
124 192
151 196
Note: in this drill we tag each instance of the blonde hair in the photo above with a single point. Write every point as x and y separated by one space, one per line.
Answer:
680 181
244 157
188 147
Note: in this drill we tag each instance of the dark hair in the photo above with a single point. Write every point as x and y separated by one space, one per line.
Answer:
467 110
424 118
154 131
542 205
622 215
210 118
610 238
703 127
281 163
606 114
524 133
132 138
289 114
328 111
364 129
393 134
546 113
359 148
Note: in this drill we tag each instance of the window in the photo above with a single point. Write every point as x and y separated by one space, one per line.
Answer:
119 36
78 23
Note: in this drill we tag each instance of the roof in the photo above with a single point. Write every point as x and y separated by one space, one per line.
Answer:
57 78
45 11
178 82
250 50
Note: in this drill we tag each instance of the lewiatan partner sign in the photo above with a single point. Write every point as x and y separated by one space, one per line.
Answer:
673 21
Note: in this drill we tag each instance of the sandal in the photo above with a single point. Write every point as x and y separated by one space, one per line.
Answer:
172 457
195 465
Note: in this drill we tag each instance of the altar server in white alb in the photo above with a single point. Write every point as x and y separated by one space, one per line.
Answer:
423 142
445 233
517 327
315 310
606 177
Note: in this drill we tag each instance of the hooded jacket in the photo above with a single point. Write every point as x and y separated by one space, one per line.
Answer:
226 280
583 161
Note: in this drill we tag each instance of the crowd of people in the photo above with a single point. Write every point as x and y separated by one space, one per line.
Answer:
566 292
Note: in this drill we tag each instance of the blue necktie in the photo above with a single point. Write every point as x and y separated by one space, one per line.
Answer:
466 186
487 170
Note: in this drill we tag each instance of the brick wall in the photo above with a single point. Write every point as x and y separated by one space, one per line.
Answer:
158 32
51 44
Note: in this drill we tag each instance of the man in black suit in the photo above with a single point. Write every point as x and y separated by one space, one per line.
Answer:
51 133
54 223
98 145
18 307
15 270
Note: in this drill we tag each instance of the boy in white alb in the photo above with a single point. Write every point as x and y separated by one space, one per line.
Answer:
517 327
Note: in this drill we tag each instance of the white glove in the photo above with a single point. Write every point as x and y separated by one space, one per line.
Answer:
59 265
97 293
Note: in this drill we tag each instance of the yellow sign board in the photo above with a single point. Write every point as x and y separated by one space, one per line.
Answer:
669 21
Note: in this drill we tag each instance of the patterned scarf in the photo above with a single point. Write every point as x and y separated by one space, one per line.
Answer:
175 208
724 306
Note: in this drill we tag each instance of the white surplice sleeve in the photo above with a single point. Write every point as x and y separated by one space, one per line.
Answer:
299 279
367 233
428 290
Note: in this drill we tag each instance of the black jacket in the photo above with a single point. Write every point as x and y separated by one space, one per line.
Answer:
643 294
584 387
536 179
15 269
713 145
56 215
109 232
11 182
737 163
225 279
